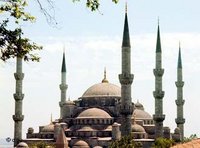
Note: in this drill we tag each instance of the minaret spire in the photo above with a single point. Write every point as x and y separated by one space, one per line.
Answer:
63 85
126 79
126 38
158 43
179 57
158 93
63 62
180 102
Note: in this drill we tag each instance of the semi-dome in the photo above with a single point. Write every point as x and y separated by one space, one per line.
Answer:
141 114
94 113
137 128
103 89
80 144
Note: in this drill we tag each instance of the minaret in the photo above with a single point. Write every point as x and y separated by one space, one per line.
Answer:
18 96
158 93
126 79
63 86
180 102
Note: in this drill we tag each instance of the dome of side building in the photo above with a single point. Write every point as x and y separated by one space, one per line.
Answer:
80 144
139 112
137 128
48 128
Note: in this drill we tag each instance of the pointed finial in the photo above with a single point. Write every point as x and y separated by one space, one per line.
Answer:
69 98
158 21
126 7
104 79
51 118
63 48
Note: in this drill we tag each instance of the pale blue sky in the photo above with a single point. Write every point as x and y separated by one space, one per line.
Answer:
93 41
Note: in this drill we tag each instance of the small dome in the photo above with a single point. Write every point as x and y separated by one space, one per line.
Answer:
80 144
116 124
22 145
94 113
138 105
141 114
48 128
103 89
137 128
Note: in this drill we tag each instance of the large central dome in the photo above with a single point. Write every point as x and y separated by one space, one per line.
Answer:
103 89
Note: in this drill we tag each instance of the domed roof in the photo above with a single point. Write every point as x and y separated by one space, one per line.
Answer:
81 143
94 113
103 89
137 128
22 144
141 114
48 128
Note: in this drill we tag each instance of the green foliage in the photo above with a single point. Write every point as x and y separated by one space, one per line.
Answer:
41 145
126 142
192 137
163 143
12 42
15 8
94 4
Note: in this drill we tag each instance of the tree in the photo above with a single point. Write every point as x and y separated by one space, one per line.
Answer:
192 137
163 143
126 142
12 41
94 4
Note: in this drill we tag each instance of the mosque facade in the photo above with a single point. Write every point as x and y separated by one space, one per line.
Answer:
105 112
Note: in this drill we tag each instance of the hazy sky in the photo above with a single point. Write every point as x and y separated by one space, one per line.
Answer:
93 41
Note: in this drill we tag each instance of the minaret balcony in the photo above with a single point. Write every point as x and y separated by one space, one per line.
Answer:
180 120
180 102
179 83
19 76
18 96
126 109
17 118
158 94
158 118
158 72
126 78
63 86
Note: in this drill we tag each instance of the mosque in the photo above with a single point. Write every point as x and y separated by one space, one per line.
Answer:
105 111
